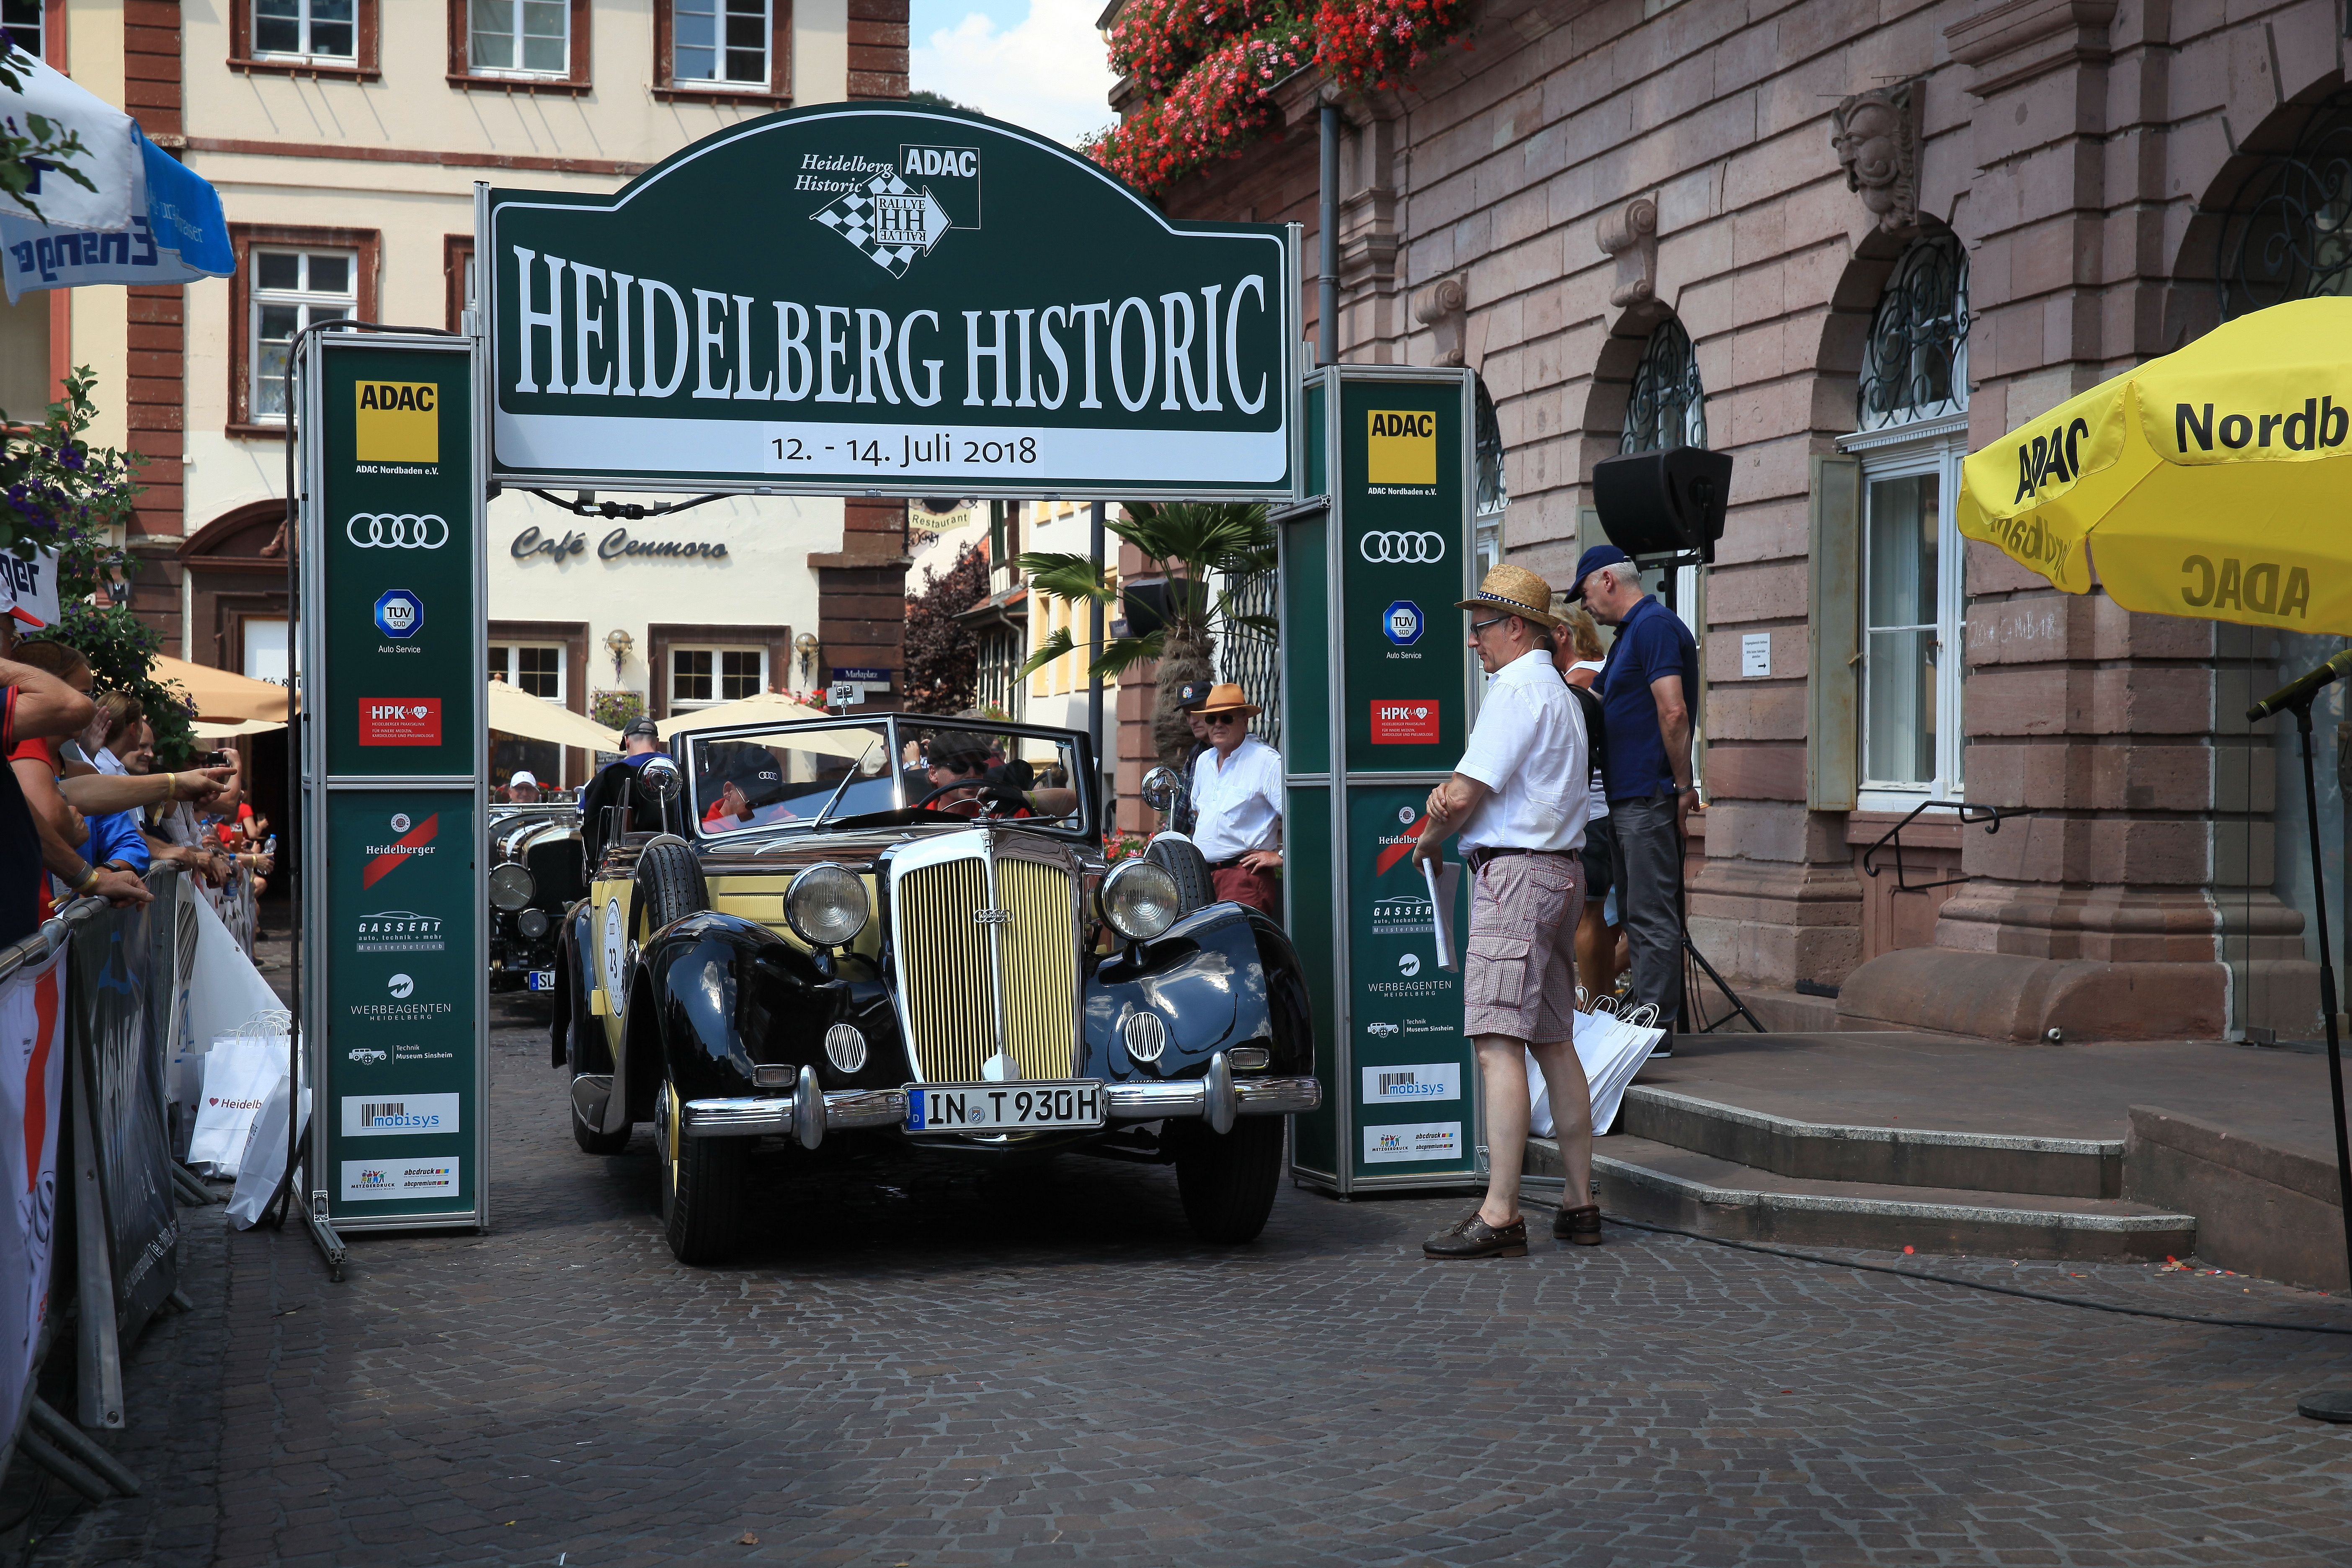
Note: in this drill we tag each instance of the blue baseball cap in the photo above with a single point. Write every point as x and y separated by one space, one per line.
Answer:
1593 561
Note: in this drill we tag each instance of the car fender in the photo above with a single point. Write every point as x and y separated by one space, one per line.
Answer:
726 994
1222 976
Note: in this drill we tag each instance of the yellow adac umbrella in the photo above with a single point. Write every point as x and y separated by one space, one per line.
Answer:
2213 482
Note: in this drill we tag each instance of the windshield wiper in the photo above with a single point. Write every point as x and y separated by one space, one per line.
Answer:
847 779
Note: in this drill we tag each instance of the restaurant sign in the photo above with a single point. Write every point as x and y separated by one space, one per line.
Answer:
861 299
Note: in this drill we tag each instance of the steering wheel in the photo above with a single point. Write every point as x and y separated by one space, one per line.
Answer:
949 788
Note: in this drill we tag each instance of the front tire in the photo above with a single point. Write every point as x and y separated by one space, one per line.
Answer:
702 1188
1228 1182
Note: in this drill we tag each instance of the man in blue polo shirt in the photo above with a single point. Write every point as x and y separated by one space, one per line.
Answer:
1648 693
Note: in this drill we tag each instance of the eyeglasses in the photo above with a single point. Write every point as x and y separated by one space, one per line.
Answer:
1215 718
1477 626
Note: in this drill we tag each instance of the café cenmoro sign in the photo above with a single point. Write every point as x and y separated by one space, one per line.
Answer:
852 299
533 543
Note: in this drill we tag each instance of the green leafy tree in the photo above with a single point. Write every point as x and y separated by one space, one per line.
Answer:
1190 544
23 159
56 490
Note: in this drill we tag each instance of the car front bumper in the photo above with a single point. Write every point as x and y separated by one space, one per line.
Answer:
808 1113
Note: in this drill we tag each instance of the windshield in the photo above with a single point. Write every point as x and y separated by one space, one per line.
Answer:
795 777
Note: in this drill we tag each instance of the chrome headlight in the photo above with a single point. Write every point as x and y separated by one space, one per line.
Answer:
511 888
826 905
534 923
1140 900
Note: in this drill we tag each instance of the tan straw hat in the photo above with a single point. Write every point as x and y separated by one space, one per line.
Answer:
1226 697
1515 591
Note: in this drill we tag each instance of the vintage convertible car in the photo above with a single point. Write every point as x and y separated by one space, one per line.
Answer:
538 871
824 942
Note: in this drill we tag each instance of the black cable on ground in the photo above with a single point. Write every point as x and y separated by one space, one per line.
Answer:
1984 1285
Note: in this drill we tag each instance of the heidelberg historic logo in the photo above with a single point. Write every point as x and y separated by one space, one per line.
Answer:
896 213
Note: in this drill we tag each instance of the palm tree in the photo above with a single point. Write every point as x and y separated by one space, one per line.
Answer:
1189 543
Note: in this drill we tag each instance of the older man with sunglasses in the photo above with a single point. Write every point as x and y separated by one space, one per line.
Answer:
1237 804
1518 799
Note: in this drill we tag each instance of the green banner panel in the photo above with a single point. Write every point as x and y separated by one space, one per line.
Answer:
852 299
1405 506
1307 884
403 904
1410 1073
1306 588
399 694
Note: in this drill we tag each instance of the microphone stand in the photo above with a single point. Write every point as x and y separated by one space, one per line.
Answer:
2333 1405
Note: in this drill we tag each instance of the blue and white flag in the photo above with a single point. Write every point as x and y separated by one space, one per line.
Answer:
176 234
110 160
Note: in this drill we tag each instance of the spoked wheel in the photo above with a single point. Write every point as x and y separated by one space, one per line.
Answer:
1228 1182
701 1187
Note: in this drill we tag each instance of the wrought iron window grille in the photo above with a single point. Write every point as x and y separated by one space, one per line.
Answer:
2286 233
1667 407
1916 363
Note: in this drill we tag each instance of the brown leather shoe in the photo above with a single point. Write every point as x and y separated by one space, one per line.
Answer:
1471 1236
1581 1226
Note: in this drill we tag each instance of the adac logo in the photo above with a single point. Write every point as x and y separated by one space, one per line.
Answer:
2050 456
399 422
2262 587
1401 448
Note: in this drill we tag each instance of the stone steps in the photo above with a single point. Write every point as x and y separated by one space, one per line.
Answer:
1722 1170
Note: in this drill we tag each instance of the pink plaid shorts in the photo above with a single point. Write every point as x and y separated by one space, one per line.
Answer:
1519 975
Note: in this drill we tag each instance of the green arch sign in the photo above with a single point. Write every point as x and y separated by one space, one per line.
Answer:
863 300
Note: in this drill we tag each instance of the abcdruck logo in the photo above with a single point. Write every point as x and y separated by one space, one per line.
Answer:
375 1180
1413 1141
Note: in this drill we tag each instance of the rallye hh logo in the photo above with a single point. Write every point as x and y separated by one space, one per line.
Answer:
1401 448
399 422
400 721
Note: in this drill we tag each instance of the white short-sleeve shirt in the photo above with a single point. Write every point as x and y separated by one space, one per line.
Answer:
1237 804
1529 748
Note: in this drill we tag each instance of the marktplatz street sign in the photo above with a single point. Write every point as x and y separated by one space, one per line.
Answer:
867 300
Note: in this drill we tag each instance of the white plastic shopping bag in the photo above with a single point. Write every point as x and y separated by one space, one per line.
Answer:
1612 1050
240 1072
263 1162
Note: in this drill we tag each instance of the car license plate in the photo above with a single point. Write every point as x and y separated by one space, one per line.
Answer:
1002 1107
540 980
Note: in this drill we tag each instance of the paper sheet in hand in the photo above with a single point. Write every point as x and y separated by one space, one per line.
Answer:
1443 881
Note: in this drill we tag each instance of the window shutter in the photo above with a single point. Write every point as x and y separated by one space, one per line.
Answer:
1834 601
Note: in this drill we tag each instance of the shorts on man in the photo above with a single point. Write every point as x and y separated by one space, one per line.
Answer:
1519 975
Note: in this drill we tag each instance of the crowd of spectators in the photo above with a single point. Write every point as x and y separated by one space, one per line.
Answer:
84 812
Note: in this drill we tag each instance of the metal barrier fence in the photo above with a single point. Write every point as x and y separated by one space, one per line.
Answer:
102 1221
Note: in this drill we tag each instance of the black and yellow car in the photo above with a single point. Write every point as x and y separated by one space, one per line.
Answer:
902 931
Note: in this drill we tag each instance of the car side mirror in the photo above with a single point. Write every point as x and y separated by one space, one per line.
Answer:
662 780
1160 787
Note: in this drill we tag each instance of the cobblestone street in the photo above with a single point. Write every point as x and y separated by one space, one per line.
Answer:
1048 1368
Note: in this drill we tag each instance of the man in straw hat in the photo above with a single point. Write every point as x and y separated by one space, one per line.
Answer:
1237 802
1518 798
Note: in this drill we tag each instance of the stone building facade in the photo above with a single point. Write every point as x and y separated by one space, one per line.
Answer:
1764 227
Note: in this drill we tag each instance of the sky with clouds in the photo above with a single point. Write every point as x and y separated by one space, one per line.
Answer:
1038 63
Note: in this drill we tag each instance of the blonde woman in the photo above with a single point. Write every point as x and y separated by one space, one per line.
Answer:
1598 961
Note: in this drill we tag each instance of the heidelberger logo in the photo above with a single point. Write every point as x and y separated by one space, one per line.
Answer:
383 860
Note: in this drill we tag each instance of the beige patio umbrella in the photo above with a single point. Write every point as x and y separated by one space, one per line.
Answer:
773 708
223 694
230 729
512 710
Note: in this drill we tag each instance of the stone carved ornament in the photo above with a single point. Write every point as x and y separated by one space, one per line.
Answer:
1877 137
1444 307
1629 234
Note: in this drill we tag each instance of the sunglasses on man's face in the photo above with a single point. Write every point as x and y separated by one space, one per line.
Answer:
1222 719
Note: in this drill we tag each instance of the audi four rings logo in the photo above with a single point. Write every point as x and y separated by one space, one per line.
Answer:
401 530
1401 548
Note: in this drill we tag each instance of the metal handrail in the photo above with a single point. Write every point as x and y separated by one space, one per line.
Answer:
1971 813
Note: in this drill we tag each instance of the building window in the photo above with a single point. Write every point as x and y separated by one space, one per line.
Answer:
1912 410
535 668
1915 365
532 37
706 677
1668 404
324 30
292 290
460 284
734 49
265 651
21 20
2286 233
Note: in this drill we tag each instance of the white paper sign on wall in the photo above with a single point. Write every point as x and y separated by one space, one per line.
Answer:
1756 653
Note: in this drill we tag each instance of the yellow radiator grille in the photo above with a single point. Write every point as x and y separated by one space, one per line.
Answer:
1040 968
951 1006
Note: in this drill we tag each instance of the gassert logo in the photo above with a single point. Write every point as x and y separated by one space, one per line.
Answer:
399 931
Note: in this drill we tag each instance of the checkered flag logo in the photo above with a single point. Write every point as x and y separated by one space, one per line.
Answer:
889 220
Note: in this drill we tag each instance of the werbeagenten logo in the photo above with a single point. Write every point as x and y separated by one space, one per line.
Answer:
399 422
